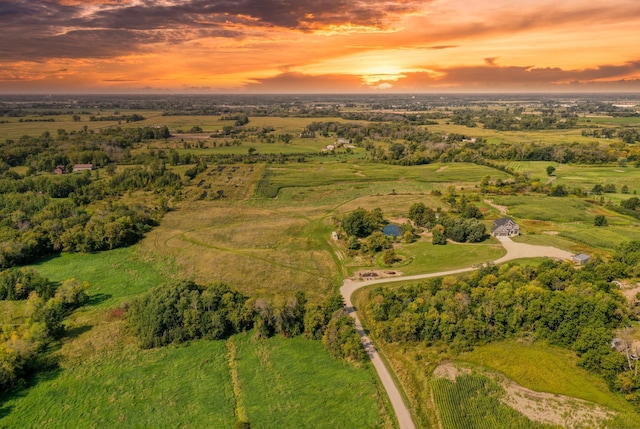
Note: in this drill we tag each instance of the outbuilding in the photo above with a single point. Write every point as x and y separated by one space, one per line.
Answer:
580 258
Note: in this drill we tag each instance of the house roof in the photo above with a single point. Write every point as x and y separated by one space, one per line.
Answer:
502 221
581 257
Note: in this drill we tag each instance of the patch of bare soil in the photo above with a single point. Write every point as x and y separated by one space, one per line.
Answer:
375 274
630 292
444 167
553 409
540 407
190 136
399 220
449 371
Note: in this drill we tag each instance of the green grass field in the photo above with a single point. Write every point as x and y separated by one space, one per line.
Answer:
322 174
103 379
543 208
114 276
581 176
171 387
587 176
260 251
546 369
561 220
518 137
284 383
610 121
293 383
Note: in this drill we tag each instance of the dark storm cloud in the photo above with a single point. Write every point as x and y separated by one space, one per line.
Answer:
38 30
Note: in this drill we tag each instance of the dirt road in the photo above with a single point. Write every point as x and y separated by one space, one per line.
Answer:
514 251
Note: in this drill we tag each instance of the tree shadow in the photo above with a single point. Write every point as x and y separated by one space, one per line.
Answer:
48 369
75 332
98 298
45 259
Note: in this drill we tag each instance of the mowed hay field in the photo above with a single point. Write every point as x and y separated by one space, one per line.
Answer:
256 250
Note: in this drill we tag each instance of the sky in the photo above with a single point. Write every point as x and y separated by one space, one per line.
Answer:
318 46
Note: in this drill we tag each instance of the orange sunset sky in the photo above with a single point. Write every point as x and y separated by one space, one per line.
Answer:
332 46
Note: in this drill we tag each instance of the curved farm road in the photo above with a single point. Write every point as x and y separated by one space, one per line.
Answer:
514 251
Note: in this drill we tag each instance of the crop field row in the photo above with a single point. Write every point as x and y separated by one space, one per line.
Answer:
473 401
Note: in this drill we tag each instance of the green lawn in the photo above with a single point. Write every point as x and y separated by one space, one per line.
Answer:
428 258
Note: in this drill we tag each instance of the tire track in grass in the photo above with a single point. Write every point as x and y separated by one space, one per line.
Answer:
240 412
247 254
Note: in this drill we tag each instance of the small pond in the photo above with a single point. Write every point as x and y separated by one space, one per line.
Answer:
392 230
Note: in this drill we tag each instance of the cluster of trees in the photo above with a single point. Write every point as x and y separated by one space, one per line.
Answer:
416 147
629 207
117 117
77 212
460 230
607 188
362 223
627 135
574 308
62 226
363 228
443 226
45 152
22 346
632 203
513 120
17 283
184 311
